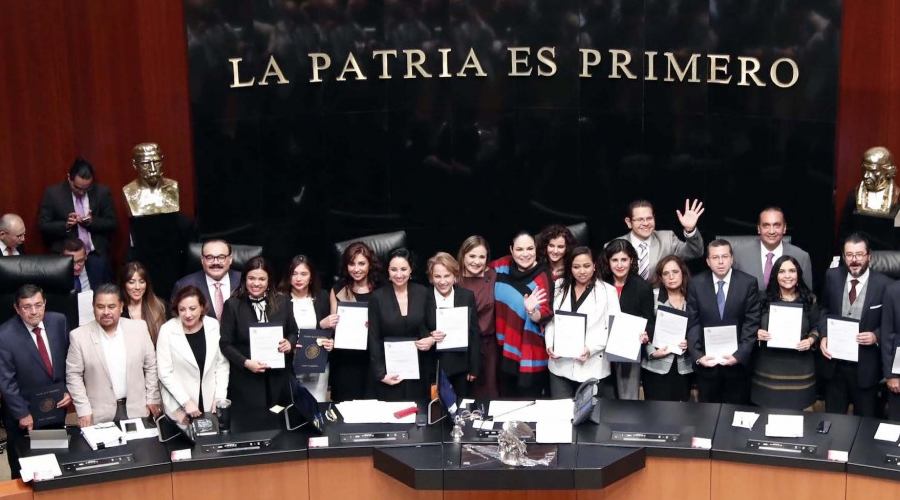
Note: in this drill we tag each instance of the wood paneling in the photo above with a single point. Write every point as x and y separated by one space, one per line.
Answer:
869 102
658 480
740 481
90 78
357 478
868 488
244 482
158 487
15 490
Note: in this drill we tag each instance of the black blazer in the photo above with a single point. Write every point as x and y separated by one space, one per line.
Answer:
890 328
56 205
868 369
637 299
97 271
21 368
741 308
247 389
385 321
455 362
198 279
321 306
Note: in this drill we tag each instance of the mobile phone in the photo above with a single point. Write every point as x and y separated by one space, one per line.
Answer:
130 427
823 427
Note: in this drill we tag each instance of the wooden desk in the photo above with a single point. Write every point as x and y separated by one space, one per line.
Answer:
271 480
157 487
867 487
357 478
737 481
661 478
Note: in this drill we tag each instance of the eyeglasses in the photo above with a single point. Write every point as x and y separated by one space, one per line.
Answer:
643 220
214 258
856 256
33 307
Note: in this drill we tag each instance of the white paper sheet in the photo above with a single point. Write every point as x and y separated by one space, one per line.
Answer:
784 426
264 345
39 467
785 324
842 342
745 419
895 368
553 431
568 334
352 331
720 341
454 322
402 358
85 307
625 336
888 432
669 331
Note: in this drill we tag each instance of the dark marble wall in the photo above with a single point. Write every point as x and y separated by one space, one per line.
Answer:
295 167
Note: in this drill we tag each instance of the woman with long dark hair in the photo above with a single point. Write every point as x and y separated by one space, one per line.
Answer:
580 291
666 376
253 384
554 244
786 378
522 308
619 267
309 309
140 300
359 277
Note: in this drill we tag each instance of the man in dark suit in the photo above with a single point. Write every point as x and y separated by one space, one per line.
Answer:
890 341
652 245
722 296
757 257
33 347
217 281
90 271
78 208
12 235
854 291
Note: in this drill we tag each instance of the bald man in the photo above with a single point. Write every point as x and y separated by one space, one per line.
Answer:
12 234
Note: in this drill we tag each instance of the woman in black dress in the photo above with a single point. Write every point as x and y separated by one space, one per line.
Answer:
350 376
397 312
786 378
252 384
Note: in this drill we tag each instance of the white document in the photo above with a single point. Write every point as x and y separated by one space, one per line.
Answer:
39 467
842 342
670 330
85 307
372 411
895 368
888 432
785 324
784 426
264 345
625 336
402 358
453 321
510 410
720 341
569 331
745 419
553 431
352 331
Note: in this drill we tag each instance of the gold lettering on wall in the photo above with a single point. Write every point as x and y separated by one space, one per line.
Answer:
272 69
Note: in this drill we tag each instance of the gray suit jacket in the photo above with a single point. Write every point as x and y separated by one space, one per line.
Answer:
664 243
747 258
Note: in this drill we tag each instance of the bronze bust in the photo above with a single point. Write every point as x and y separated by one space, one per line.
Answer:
877 195
150 193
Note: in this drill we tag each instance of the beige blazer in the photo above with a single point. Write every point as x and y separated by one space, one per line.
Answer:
180 378
87 376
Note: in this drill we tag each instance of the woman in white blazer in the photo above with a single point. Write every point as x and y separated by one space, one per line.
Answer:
580 291
193 373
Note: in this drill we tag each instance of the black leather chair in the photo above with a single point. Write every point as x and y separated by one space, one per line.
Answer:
53 273
381 244
887 262
240 254
581 234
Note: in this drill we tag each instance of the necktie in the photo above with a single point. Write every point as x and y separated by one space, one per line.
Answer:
77 286
219 300
720 298
42 350
852 295
83 234
767 271
643 260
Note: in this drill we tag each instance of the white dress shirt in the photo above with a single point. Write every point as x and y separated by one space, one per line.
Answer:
43 336
859 286
726 279
304 313
776 253
443 302
85 282
211 286
3 248
114 352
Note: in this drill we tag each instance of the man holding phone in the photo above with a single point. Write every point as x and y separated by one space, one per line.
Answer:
78 208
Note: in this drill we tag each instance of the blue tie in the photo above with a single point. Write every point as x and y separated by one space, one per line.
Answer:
720 298
77 284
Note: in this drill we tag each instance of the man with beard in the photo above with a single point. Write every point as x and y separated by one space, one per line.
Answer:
854 291
217 281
